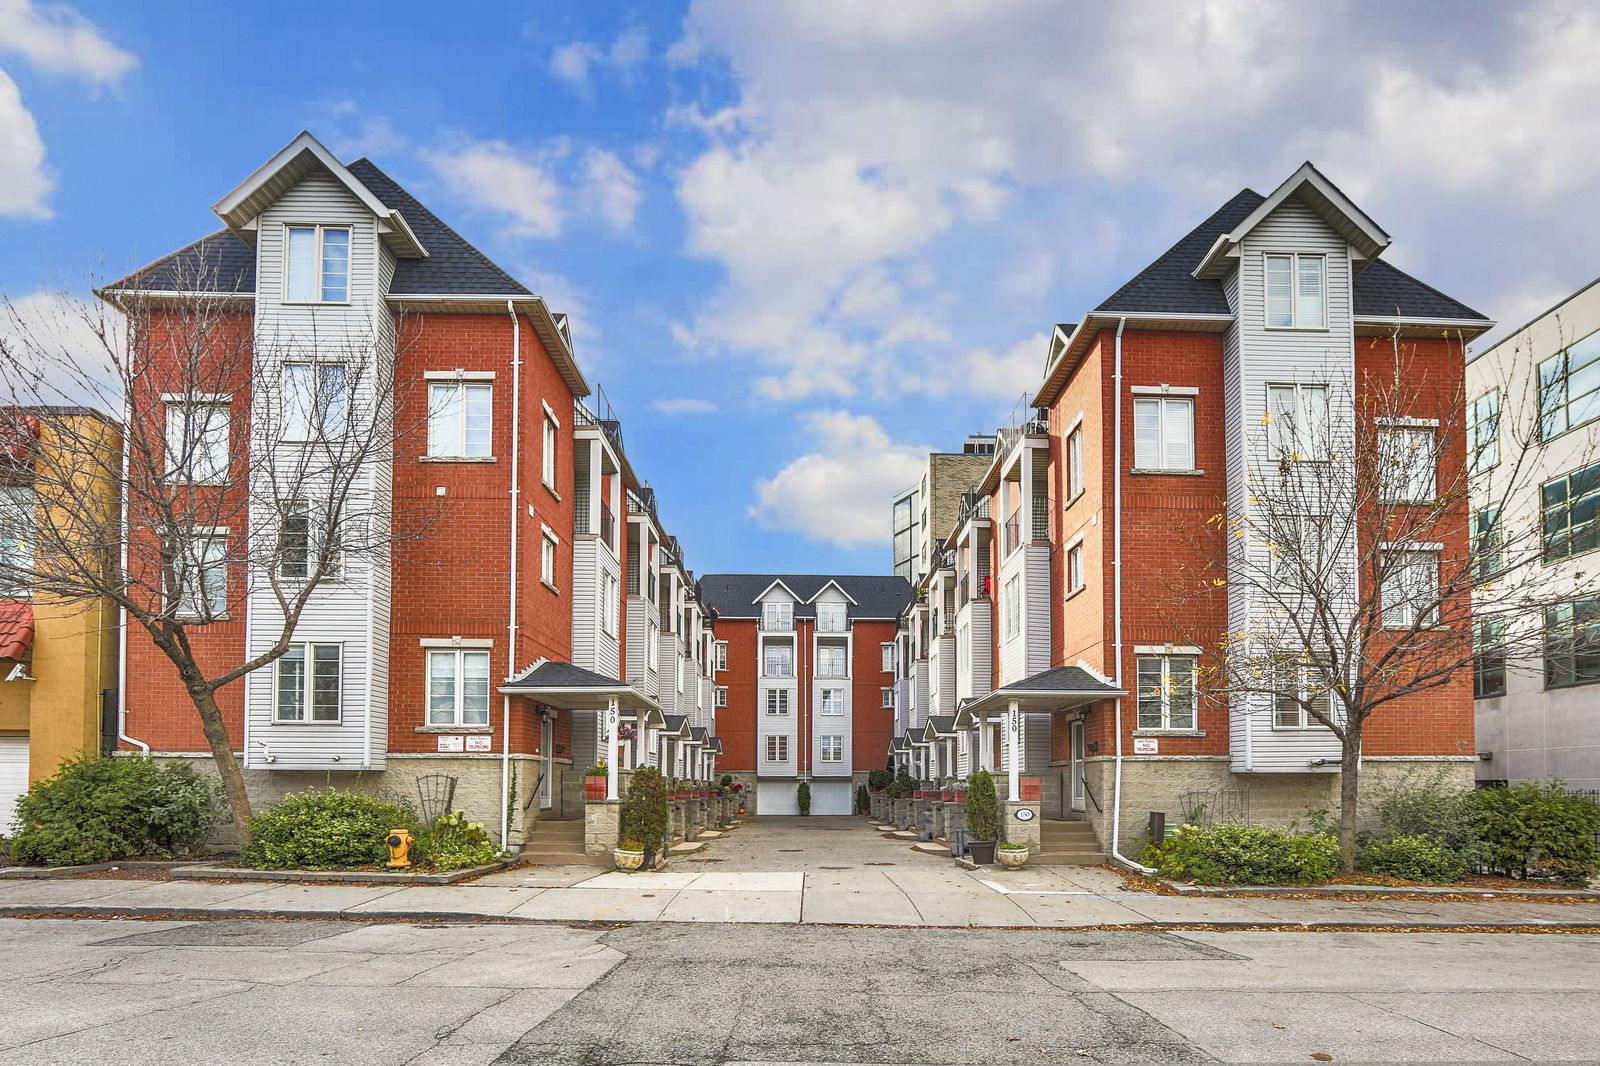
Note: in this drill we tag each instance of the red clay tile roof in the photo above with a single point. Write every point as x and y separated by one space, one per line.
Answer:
16 629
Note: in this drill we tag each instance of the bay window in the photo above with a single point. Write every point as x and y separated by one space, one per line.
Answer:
307 683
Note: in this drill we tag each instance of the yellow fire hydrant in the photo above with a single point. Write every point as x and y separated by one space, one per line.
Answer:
399 841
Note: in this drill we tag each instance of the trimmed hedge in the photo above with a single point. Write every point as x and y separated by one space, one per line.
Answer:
983 809
1413 858
1232 853
324 829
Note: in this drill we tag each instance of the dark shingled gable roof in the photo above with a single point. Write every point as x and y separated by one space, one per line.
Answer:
734 595
564 675
1168 285
1062 679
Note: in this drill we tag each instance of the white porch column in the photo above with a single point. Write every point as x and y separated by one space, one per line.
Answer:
1014 750
608 744
985 744
647 743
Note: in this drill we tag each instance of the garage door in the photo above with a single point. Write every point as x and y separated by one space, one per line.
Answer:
830 797
776 795
13 777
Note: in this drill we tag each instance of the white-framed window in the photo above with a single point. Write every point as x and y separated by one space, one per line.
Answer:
458 687
887 653
1163 432
722 696
1410 589
1409 457
17 524
1166 691
1569 387
1297 561
316 401
460 417
777 701
721 654
652 648
888 698
832 701
197 441
609 592
1297 685
830 618
831 661
307 683
302 540
1297 295
830 748
1075 568
1297 421
1483 432
778 749
779 661
549 545
1011 607
200 570
777 616
1074 463
963 649
547 456
317 265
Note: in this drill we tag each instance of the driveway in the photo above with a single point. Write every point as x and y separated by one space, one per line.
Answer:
807 845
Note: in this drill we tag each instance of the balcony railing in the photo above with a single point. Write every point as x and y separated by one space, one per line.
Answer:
608 526
1014 531
777 623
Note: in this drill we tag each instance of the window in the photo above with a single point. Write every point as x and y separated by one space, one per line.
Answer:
1572 643
779 660
1489 660
777 616
722 696
609 591
722 654
887 653
777 701
1297 562
1570 507
1486 542
830 618
832 701
777 749
301 542
459 419
201 572
1569 387
1163 433
316 402
197 442
1297 421
1409 458
652 648
307 688
1410 589
1296 292
1299 686
547 559
1011 607
458 687
963 649
1074 568
1483 431
547 458
1074 463
1166 692
16 531
830 661
317 266
830 749
888 698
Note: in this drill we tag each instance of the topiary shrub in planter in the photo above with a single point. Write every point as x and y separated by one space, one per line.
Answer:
1412 858
450 842
983 818
802 797
863 801
324 829
1234 853
96 808
644 812
1540 830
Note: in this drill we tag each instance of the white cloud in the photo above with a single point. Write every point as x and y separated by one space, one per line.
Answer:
494 176
53 350
571 62
56 39
839 493
574 62
351 132
684 405
610 188
1010 374
25 183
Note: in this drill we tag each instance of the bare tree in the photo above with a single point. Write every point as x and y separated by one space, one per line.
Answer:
251 468
1350 563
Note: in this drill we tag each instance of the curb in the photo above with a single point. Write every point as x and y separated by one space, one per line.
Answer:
1337 891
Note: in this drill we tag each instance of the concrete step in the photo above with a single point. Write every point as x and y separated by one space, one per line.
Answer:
562 857
1059 858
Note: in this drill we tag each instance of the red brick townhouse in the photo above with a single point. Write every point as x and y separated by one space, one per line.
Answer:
804 673
1055 594
498 646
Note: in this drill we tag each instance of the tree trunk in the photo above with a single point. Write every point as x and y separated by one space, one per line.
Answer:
1349 792
205 702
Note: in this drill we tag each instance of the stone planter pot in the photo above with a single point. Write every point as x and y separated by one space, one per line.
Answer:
627 860
594 788
982 851
1012 858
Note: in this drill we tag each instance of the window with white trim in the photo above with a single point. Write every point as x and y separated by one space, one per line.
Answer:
830 618
722 655
888 698
887 653
1074 569
779 661
831 661
778 749
307 683
1569 387
547 457
830 748
1074 462
832 701
1297 421
548 547
777 616
652 648
1163 432
1410 588
316 401
197 442
1166 691
777 701
200 570
609 592
963 649
722 696
458 687
1297 291
1409 457
1297 561
1297 687
1483 432
460 416
317 265
1011 607
303 541
18 504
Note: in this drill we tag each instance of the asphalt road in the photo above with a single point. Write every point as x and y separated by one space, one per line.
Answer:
295 991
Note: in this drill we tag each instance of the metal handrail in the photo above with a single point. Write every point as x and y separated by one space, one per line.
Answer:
1087 791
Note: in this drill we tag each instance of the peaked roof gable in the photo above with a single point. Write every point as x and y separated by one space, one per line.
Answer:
833 583
872 596
1310 187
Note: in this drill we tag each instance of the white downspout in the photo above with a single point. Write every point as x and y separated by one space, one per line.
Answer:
122 612
511 605
1116 600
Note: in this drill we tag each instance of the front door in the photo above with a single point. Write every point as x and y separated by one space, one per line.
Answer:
1077 765
547 762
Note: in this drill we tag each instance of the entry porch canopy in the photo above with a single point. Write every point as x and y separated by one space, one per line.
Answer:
573 688
1061 688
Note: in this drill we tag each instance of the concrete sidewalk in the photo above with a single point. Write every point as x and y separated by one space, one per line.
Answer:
925 892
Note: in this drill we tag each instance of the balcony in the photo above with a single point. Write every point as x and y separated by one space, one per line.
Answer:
608 527
776 623
1014 530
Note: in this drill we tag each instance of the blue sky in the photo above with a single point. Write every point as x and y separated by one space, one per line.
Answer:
804 241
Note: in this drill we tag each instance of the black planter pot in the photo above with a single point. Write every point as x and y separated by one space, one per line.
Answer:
981 851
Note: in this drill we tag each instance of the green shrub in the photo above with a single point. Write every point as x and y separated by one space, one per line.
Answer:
1234 853
863 802
983 811
905 780
1545 830
644 812
1434 807
450 842
324 829
802 797
1413 858
96 808
727 781
880 779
